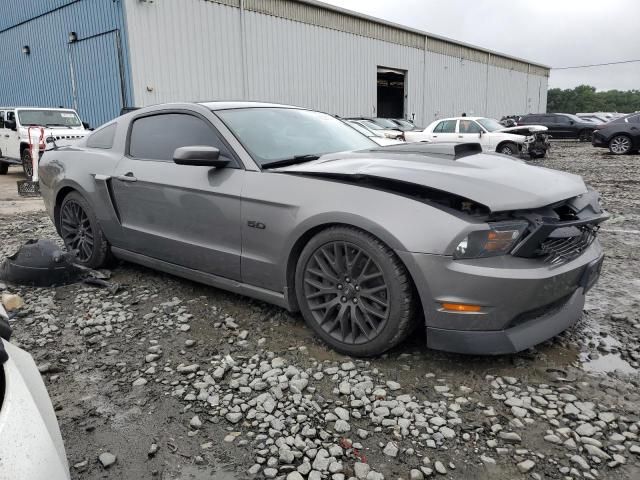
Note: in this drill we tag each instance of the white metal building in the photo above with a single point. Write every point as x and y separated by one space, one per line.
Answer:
101 55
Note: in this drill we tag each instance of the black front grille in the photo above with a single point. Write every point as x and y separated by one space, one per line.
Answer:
565 244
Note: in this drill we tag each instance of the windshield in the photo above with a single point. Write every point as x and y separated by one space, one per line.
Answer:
49 118
490 125
271 134
575 118
385 122
404 123
361 129
369 124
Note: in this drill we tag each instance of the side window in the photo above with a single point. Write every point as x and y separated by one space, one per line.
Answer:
468 126
11 116
439 127
156 137
1 119
562 120
102 138
449 126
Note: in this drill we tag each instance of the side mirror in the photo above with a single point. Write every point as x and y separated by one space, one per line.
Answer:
51 141
86 125
480 135
202 156
10 124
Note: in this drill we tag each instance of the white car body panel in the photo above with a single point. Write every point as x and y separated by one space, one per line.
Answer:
488 140
31 445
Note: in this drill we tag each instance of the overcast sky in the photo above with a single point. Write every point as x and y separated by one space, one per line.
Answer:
556 33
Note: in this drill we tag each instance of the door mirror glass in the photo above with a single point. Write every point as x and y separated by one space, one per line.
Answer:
202 155
10 124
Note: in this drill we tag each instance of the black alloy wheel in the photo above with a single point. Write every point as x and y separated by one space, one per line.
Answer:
346 291
354 292
76 230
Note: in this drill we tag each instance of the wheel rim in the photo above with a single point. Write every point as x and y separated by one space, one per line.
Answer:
507 150
346 291
27 165
76 230
620 145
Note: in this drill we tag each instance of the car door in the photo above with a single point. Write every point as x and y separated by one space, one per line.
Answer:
566 127
2 134
469 132
10 137
445 131
182 214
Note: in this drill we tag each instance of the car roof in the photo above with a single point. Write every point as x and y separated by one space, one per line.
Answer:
244 104
459 118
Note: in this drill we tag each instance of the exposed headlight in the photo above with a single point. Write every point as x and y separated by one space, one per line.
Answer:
498 240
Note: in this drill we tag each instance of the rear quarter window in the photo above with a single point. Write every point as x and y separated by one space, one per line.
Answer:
103 138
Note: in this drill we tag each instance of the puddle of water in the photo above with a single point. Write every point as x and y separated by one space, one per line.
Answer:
610 362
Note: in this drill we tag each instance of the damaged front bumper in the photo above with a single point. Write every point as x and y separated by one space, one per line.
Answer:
536 145
524 301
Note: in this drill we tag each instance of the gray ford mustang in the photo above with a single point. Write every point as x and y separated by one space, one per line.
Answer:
296 208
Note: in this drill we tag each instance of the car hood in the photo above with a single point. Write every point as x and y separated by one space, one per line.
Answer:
496 181
523 129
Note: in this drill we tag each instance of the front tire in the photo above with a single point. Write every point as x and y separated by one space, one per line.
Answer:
4 168
80 231
27 164
508 148
620 145
354 292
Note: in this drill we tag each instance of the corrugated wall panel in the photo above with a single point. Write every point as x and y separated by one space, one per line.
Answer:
316 67
537 86
13 12
43 78
507 93
200 61
282 56
453 86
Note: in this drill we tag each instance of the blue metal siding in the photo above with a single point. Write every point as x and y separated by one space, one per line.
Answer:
46 76
13 12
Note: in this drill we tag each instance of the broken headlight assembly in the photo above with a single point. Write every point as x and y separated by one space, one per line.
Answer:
499 239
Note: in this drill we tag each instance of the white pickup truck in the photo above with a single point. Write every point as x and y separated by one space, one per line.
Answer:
61 123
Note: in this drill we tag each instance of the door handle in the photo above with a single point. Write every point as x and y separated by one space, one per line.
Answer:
435 136
460 136
6 136
127 177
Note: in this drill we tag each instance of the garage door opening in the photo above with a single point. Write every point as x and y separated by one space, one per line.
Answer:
391 92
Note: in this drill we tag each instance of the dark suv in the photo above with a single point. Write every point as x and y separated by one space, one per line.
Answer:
561 125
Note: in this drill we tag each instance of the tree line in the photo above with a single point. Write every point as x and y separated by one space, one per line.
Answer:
585 99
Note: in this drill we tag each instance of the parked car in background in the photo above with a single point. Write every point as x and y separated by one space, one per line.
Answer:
379 138
598 118
489 133
620 136
373 124
404 125
31 446
561 125
368 242
61 123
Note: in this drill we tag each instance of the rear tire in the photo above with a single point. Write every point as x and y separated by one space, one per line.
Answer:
354 292
508 148
80 231
620 145
4 168
27 164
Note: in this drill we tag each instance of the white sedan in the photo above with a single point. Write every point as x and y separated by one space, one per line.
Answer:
374 135
489 133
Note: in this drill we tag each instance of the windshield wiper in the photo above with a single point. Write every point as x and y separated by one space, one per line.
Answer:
57 125
290 161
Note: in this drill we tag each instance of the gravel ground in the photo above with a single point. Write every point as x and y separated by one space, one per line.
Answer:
166 378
